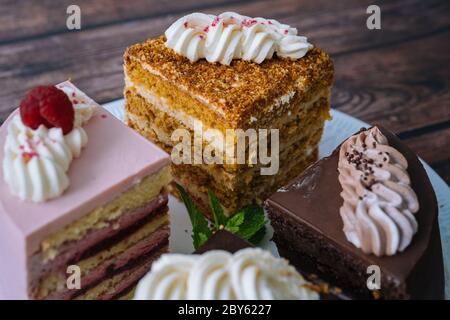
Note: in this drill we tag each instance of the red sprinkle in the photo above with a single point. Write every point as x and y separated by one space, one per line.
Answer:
104 116
286 31
27 156
215 21
185 24
249 22
206 29
75 101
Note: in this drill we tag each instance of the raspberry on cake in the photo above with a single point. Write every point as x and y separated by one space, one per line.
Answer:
77 192
230 72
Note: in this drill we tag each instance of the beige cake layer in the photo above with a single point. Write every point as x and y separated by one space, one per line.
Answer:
157 125
239 185
57 281
242 187
136 197
232 201
113 287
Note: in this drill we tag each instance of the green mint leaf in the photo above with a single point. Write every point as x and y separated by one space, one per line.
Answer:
258 236
217 210
200 228
234 222
254 220
201 239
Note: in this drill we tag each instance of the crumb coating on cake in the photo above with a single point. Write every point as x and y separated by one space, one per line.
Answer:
241 89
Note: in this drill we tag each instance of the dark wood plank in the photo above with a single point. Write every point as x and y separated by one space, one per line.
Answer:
397 76
24 19
51 59
432 147
444 171
402 86
339 27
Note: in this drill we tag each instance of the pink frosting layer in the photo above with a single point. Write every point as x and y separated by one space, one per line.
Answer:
115 159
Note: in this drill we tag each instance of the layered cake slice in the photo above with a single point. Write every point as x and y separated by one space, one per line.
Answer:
365 219
83 209
215 77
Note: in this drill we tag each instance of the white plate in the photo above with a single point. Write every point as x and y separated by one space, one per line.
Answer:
336 130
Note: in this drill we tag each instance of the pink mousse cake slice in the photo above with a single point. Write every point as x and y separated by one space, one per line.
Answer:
99 236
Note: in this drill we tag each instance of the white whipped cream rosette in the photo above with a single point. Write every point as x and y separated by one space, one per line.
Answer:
36 162
379 203
249 274
231 36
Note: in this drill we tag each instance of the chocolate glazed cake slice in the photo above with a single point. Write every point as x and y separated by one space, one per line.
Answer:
368 204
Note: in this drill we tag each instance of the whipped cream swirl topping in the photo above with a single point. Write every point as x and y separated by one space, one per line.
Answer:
251 273
231 36
36 162
379 203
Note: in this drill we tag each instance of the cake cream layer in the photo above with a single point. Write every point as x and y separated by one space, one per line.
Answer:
156 123
225 96
299 138
94 240
112 162
242 184
143 240
290 116
232 201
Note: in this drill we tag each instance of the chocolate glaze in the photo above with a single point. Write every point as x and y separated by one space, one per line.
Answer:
312 202
224 240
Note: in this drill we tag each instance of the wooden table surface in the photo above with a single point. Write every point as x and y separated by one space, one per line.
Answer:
397 76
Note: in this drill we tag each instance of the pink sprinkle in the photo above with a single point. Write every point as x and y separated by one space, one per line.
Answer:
269 22
21 147
215 21
185 24
286 31
73 94
249 22
104 116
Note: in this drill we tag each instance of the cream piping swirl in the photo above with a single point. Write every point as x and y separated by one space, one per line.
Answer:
379 203
36 162
218 275
231 36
